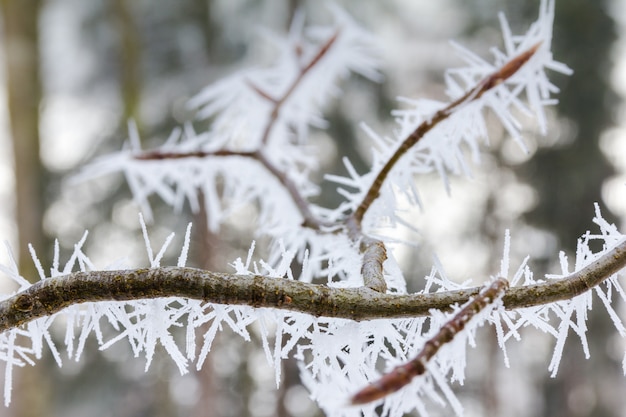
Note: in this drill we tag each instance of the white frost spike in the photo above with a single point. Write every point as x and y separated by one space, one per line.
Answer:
182 259
157 259
76 255
249 258
37 262
146 240
504 264
11 270
8 370
133 136
55 258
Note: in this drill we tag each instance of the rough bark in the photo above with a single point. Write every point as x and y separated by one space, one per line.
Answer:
53 295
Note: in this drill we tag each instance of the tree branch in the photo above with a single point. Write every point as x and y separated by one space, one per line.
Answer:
401 375
310 220
493 80
52 295
278 103
374 251
303 205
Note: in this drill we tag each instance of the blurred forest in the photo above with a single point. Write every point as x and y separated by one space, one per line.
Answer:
75 72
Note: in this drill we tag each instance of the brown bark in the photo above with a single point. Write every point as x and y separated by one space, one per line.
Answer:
20 20
129 60
21 49
54 294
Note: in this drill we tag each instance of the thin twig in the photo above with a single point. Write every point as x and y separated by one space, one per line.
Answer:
401 375
54 294
310 220
158 155
260 92
296 82
475 93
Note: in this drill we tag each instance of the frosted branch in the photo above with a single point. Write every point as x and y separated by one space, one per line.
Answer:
278 103
310 220
402 375
488 83
52 295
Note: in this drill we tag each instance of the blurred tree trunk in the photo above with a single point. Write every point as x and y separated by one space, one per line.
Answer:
23 86
129 60
21 47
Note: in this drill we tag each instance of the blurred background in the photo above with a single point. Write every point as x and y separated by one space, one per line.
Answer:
73 73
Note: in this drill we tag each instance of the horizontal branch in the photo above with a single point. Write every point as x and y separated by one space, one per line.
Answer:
54 294
310 220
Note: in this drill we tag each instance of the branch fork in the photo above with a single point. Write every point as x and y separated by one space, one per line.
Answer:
374 251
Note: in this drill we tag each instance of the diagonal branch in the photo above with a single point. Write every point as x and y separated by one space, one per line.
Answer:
374 251
310 220
278 103
403 374
493 80
54 294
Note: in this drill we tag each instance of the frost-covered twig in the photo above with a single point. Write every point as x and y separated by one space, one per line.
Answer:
493 80
403 374
278 103
310 220
301 203
262 116
54 294
374 251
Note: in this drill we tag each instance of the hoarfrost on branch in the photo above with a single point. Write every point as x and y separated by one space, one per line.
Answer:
257 150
